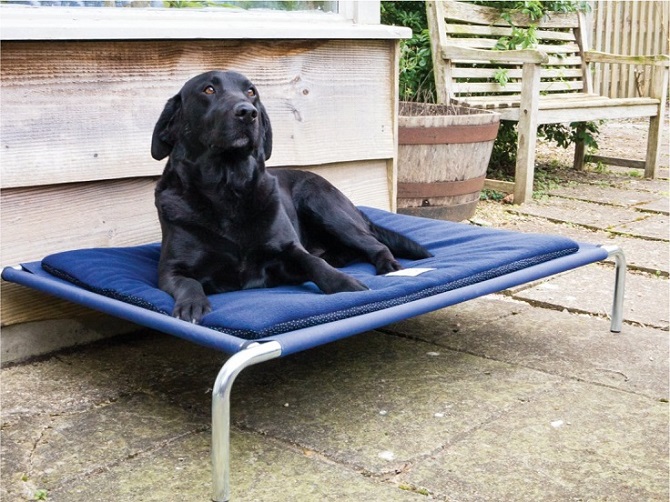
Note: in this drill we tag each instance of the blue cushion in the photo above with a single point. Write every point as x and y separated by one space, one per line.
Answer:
464 255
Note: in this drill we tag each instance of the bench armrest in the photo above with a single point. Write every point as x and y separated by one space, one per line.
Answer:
604 57
450 51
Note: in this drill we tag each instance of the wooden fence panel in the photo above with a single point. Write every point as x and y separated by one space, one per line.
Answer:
630 28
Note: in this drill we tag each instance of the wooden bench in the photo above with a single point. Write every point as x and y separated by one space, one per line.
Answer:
548 84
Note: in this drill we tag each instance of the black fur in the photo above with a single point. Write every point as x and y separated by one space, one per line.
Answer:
230 224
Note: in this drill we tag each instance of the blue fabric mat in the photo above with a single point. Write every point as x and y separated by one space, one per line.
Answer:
464 255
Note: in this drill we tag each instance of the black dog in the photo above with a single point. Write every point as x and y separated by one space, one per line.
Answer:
230 224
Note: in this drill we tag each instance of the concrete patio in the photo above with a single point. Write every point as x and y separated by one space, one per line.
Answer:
522 396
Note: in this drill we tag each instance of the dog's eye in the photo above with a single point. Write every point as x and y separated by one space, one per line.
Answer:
209 90
251 92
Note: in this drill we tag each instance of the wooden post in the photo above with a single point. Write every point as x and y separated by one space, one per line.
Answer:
659 90
580 148
525 154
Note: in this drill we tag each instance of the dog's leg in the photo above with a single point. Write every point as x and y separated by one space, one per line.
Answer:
299 266
191 303
345 224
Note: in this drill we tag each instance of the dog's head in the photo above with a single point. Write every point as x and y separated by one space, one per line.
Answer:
217 110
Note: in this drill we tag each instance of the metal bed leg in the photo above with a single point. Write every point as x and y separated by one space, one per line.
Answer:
616 253
253 354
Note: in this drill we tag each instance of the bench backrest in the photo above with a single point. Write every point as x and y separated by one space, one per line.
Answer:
462 25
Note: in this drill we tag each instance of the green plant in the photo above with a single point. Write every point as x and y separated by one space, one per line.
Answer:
416 66
40 494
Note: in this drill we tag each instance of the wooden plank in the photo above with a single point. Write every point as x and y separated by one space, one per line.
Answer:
19 304
628 85
585 101
489 43
438 39
477 14
545 73
595 113
520 56
93 105
499 186
602 57
497 32
41 220
550 86
616 48
615 161
607 91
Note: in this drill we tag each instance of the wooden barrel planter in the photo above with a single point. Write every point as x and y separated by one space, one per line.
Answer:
443 153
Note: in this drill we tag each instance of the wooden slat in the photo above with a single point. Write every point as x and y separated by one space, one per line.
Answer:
554 110
585 114
451 51
477 14
19 304
489 43
499 186
603 57
41 220
81 111
497 32
488 73
514 87
616 161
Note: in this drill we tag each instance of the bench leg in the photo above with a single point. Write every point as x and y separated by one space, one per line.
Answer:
653 146
255 353
527 127
580 150
659 89
616 253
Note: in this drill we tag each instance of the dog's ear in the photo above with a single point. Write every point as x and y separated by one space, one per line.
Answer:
266 132
165 131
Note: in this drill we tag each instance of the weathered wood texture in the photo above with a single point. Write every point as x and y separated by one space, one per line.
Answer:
628 28
82 111
547 84
442 160
77 119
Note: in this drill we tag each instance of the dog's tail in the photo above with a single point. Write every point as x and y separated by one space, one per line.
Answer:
400 246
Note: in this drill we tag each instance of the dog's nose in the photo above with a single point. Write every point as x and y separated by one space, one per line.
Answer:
245 112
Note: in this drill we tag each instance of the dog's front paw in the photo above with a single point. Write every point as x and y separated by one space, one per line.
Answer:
343 283
386 266
192 310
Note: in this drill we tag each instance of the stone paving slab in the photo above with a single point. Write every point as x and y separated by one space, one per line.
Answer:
577 212
655 226
378 403
589 289
656 206
264 470
599 216
648 255
574 346
568 444
607 195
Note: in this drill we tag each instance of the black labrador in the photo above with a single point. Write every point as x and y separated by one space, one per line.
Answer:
230 224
